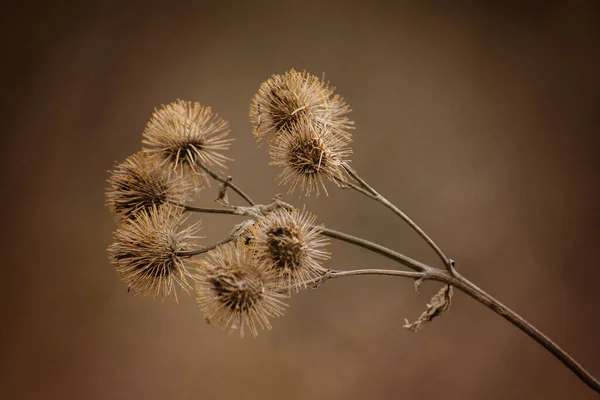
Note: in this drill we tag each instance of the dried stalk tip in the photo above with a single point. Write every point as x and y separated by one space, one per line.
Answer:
440 303
235 292
290 245
306 155
140 183
283 100
187 135
146 251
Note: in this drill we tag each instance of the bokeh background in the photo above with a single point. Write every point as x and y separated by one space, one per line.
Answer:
481 121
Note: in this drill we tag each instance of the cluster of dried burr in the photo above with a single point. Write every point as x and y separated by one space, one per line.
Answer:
241 282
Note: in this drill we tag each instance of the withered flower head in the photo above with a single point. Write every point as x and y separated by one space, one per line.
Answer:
139 183
187 134
146 251
284 99
235 292
291 246
307 155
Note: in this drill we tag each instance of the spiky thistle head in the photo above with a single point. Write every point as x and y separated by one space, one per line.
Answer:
147 251
235 292
307 154
187 135
291 245
140 183
283 100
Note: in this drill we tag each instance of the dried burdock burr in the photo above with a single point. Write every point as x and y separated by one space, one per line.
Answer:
291 245
306 154
285 99
146 251
141 182
235 292
188 136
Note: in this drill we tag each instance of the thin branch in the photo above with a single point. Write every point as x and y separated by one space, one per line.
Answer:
226 182
374 247
389 272
487 300
192 253
426 272
333 274
211 210
430 273
351 185
449 264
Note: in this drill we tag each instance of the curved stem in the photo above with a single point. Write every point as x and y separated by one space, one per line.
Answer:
487 300
376 196
426 272
351 185
381 250
333 274
191 253
389 272
210 210
227 182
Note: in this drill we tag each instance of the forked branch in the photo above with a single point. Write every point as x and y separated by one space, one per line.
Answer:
366 189
423 272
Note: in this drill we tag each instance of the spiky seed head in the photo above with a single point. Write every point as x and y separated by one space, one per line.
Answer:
291 245
146 251
307 154
235 292
140 182
282 100
186 135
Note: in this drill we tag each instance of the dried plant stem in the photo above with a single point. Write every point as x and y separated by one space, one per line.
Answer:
191 253
374 247
210 210
422 272
227 182
425 272
355 187
372 193
478 294
333 274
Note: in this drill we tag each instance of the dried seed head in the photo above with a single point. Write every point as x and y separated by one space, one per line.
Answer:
146 251
283 100
235 292
187 134
139 183
307 154
291 246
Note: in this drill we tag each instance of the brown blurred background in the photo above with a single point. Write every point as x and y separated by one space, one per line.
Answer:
481 122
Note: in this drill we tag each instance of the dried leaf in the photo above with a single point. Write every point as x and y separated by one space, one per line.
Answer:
241 228
222 197
440 303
